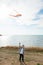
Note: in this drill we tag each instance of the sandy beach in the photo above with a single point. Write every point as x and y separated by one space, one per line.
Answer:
10 56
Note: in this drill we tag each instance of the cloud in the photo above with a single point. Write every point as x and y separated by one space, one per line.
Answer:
39 15
27 8
40 12
35 29
28 23
35 19
41 0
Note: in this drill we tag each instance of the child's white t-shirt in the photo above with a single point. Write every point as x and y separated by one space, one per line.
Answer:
21 51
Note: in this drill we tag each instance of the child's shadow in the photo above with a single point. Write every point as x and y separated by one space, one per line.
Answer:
22 63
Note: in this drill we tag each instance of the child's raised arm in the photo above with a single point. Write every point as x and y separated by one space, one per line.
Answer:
19 44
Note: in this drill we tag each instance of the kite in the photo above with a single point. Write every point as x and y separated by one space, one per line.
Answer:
17 15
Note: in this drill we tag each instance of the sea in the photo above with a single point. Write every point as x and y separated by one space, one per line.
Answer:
26 40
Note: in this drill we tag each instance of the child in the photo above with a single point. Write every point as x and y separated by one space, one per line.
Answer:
21 53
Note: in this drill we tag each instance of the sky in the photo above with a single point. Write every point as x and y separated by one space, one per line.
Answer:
31 21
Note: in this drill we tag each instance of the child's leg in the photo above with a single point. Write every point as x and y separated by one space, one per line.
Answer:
22 57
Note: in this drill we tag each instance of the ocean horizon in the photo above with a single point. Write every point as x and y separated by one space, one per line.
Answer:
27 40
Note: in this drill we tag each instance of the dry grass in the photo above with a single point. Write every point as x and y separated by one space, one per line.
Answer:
36 49
26 48
10 56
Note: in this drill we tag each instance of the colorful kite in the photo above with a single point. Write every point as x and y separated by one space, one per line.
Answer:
17 15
